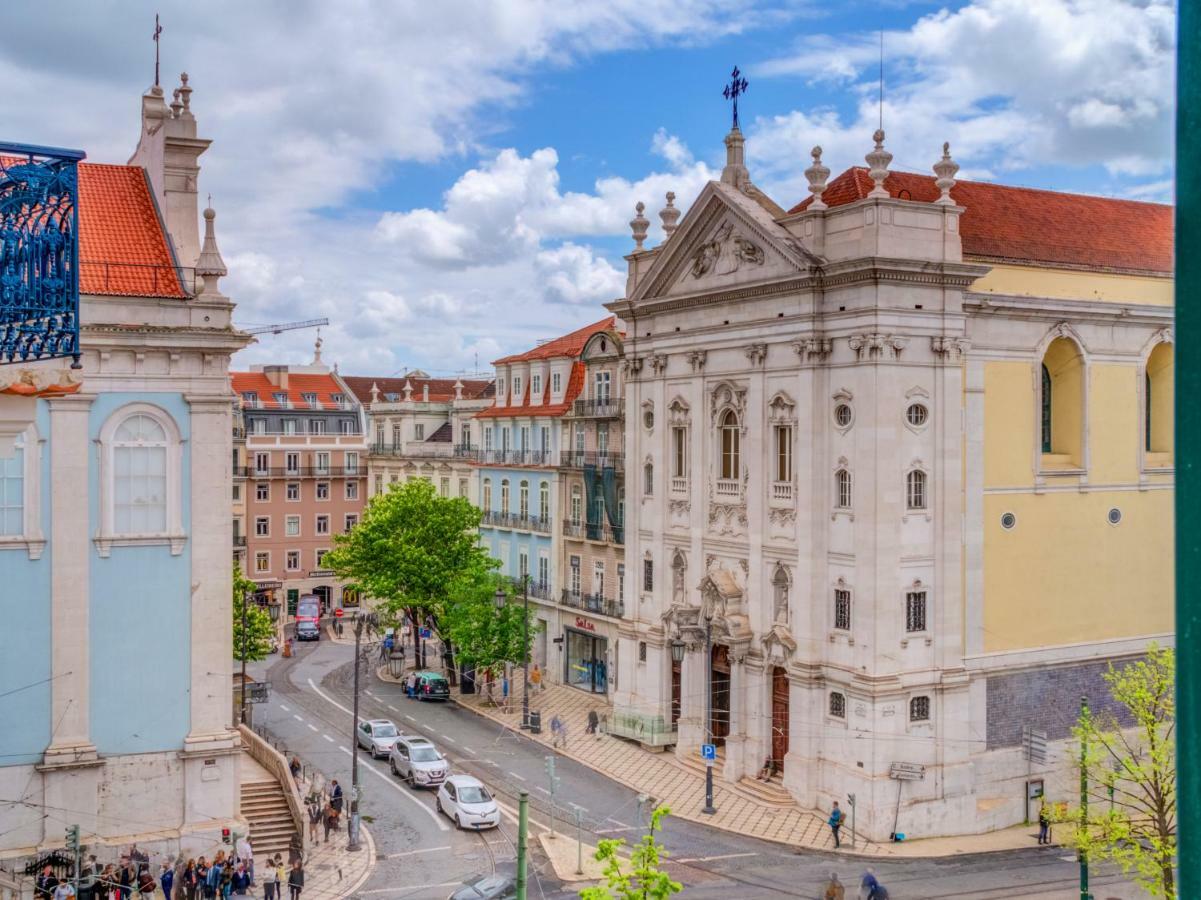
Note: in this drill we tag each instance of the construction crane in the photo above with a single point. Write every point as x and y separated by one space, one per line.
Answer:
286 326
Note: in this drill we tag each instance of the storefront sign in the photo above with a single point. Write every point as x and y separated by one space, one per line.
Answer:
581 622
268 585
321 573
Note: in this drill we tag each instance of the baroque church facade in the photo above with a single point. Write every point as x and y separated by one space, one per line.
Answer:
904 482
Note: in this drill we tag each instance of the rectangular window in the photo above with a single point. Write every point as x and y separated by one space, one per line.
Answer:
379 434
262 562
679 453
462 487
289 426
316 426
293 491
262 463
543 571
536 385
379 484
488 439
598 578
292 561
319 557
339 400
500 388
250 398
602 438
525 438
915 611
262 491
648 575
310 399
544 502
444 487
556 383
575 575
260 426
842 610
292 463
12 494
603 380
346 426
292 526
396 439
237 492
322 490
352 490
465 435
523 563
418 432
784 453
322 524
322 459
262 526
579 439
621 582
517 387
352 462
544 442
352 519
281 398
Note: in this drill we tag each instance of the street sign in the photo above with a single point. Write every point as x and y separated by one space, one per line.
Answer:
426 634
338 613
709 751
258 692
902 771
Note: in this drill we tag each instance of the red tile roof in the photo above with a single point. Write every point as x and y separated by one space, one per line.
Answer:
1028 225
575 385
324 386
567 345
442 390
123 247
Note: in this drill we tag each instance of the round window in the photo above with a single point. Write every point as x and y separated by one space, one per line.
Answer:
1114 516
1008 520
843 415
917 415
648 419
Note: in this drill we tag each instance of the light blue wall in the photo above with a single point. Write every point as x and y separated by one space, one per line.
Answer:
141 641
25 637
534 543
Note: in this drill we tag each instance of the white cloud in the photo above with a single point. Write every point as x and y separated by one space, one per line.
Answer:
574 274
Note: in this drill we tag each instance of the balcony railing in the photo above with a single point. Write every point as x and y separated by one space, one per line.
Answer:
728 487
515 521
239 540
300 472
602 533
466 451
606 408
419 449
537 589
516 457
679 485
577 459
781 490
592 603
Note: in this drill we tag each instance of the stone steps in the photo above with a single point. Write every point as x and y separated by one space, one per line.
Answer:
771 792
264 805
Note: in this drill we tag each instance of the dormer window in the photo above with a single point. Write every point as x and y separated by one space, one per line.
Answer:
556 383
536 385
391 397
500 387
517 387
280 398
311 400
250 398
339 400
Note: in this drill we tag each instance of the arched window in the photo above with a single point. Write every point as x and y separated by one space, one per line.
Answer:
141 461
1062 401
648 479
523 500
915 490
730 436
919 709
487 495
838 705
842 489
544 501
504 496
780 585
577 504
1160 395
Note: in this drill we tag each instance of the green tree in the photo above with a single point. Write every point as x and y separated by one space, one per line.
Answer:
644 880
1132 775
485 637
252 639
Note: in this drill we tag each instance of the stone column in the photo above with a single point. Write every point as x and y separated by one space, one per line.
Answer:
692 700
738 741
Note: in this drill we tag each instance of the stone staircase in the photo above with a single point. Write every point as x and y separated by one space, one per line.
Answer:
266 809
770 792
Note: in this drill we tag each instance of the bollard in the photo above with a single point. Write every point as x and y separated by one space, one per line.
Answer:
579 843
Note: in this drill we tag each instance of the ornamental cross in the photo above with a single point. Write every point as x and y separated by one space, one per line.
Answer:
158 29
735 89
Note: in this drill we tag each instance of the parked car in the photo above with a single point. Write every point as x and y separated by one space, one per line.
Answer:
487 887
467 803
308 631
417 761
432 686
377 736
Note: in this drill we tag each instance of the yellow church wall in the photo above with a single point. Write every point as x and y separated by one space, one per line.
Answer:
1064 575
1114 428
1065 284
1009 418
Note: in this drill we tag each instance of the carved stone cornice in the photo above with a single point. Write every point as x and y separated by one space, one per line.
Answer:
696 359
813 349
756 354
876 347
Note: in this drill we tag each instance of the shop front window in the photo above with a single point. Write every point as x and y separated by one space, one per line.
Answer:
586 667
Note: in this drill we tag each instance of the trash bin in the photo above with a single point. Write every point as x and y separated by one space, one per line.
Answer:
535 722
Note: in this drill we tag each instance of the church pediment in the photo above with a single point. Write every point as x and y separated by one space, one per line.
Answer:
726 241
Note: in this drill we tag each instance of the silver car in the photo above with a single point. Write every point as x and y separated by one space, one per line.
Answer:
377 736
417 761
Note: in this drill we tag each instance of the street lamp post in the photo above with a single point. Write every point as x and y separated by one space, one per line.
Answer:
525 647
243 691
361 622
498 599
709 808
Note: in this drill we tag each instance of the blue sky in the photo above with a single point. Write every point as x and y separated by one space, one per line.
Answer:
452 182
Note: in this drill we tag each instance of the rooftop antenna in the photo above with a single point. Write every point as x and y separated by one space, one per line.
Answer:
881 125
158 29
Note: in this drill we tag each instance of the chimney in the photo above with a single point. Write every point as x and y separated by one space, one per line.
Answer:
277 375
425 393
169 150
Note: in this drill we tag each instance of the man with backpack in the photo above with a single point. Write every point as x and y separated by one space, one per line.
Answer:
835 823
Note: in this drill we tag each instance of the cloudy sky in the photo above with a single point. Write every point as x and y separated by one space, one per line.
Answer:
448 182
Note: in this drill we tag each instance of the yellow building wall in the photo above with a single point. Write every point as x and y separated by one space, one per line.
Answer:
1065 284
1114 426
1009 423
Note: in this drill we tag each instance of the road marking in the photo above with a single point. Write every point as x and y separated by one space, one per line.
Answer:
692 859
409 888
393 708
448 740
539 787
297 718
284 708
312 726
410 718
414 852
370 768
328 738
515 775
371 695
617 830
467 749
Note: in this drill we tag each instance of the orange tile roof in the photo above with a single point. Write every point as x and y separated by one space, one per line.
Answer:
442 390
324 386
123 247
1029 225
575 385
567 345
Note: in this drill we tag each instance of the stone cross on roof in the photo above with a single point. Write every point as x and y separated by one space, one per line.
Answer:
736 88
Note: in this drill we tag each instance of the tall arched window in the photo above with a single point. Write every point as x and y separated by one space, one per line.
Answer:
523 500
730 436
648 479
504 496
487 495
842 489
544 501
577 504
1061 410
915 490
1160 395
141 479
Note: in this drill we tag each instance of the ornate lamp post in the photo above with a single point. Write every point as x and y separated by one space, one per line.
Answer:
396 660
678 649
525 651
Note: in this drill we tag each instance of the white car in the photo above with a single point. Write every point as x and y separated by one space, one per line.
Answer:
417 761
467 803
377 736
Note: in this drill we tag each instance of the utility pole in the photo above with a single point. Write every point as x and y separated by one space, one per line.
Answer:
361 621
243 691
1084 893
525 681
523 826
709 808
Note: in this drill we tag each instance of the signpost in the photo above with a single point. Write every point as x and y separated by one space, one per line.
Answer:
338 613
901 772
709 755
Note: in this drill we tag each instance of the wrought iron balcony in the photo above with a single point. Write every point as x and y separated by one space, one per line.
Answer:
301 472
515 521
577 459
596 604
239 540
539 590
514 457
605 408
589 531
466 451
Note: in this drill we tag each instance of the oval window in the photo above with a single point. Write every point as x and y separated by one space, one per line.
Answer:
917 415
1008 520
843 415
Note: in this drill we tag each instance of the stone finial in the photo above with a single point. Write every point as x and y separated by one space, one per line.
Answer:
210 266
818 175
639 224
735 172
185 94
408 390
878 160
176 104
374 393
669 215
945 169
458 388
317 349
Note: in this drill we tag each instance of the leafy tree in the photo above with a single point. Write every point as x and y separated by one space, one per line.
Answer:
644 880
1132 775
252 642
485 637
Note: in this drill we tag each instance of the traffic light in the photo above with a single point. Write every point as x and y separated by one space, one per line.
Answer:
73 838
226 836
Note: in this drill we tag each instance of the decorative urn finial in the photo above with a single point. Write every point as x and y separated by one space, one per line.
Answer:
945 169
817 174
878 161
639 224
210 266
669 214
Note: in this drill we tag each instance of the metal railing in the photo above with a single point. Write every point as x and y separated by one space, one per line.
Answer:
421 449
597 604
537 589
516 457
602 532
239 540
301 472
466 451
577 459
514 520
606 408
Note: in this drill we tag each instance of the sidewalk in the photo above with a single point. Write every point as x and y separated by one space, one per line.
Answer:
680 787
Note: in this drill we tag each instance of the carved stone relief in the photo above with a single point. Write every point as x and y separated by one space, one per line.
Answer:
726 253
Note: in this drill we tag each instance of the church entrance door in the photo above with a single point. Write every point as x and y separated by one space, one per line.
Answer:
719 695
779 717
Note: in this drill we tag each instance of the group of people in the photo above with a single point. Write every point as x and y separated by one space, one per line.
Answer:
324 808
869 888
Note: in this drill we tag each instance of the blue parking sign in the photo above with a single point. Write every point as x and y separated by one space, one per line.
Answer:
425 634
708 751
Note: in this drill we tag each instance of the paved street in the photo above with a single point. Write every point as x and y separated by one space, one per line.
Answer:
420 855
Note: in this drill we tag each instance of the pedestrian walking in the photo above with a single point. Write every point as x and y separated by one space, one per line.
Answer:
331 821
63 891
835 890
411 685
146 883
166 878
126 878
269 881
871 888
314 818
246 855
504 692
1044 825
593 722
295 768
296 880
536 679
835 823
187 881
335 795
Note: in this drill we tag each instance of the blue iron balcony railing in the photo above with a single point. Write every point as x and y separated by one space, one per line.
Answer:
592 603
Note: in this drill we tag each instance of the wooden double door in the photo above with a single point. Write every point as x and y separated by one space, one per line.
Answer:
779 717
